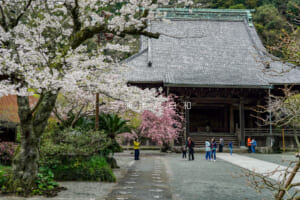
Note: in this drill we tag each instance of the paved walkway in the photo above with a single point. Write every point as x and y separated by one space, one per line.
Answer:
202 179
160 176
146 179
256 165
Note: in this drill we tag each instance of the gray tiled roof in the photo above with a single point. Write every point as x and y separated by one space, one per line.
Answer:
207 53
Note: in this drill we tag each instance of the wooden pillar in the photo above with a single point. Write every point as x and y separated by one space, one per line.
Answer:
226 118
242 122
231 119
187 122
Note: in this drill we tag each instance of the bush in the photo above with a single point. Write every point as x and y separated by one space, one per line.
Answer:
45 183
4 177
74 154
57 148
7 150
115 147
94 169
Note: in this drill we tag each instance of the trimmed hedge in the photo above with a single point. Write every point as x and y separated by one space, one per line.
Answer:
94 169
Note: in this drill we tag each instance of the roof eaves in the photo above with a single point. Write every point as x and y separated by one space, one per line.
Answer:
217 86
150 82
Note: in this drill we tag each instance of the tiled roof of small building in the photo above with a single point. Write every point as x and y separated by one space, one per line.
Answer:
209 48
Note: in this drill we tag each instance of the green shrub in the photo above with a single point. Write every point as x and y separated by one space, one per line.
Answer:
71 143
94 169
5 174
45 184
114 147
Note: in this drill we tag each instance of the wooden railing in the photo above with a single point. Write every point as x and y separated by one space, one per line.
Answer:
266 132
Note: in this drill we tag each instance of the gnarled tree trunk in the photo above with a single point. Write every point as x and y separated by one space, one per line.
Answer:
33 123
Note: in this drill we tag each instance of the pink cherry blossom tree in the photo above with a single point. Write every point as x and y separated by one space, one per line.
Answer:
160 129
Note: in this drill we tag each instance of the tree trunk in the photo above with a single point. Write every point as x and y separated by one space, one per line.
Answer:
33 123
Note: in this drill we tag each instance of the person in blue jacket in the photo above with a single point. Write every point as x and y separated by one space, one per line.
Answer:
213 146
230 147
253 145
207 149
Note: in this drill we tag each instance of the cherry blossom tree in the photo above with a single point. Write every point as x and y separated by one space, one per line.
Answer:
44 50
161 129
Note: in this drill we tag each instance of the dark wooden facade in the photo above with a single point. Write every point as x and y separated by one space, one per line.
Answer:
226 112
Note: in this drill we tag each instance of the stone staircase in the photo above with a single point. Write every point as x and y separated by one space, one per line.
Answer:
199 140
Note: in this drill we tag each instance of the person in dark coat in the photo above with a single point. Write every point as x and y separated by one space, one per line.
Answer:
221 144
190 144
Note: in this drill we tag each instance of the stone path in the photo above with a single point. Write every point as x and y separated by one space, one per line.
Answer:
146 179
259 166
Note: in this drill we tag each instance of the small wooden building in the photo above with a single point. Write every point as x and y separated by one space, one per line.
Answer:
215 61
9 118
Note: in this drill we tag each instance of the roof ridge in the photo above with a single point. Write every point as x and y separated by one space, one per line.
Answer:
208 14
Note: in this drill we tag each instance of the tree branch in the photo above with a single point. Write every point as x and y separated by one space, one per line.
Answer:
38 104
3 21
77 116
89 32
75 15
57 115
43 112
16 22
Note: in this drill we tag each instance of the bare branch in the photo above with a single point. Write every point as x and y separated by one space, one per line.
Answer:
89 32
3 21
15 23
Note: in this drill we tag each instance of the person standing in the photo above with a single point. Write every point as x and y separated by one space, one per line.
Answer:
230 147
249 144
136 147
190 145
207 149
253 145
221 144
183 149
213 147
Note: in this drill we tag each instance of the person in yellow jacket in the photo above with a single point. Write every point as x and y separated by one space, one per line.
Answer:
136 147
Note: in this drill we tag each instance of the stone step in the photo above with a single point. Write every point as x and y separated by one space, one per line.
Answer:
199 140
